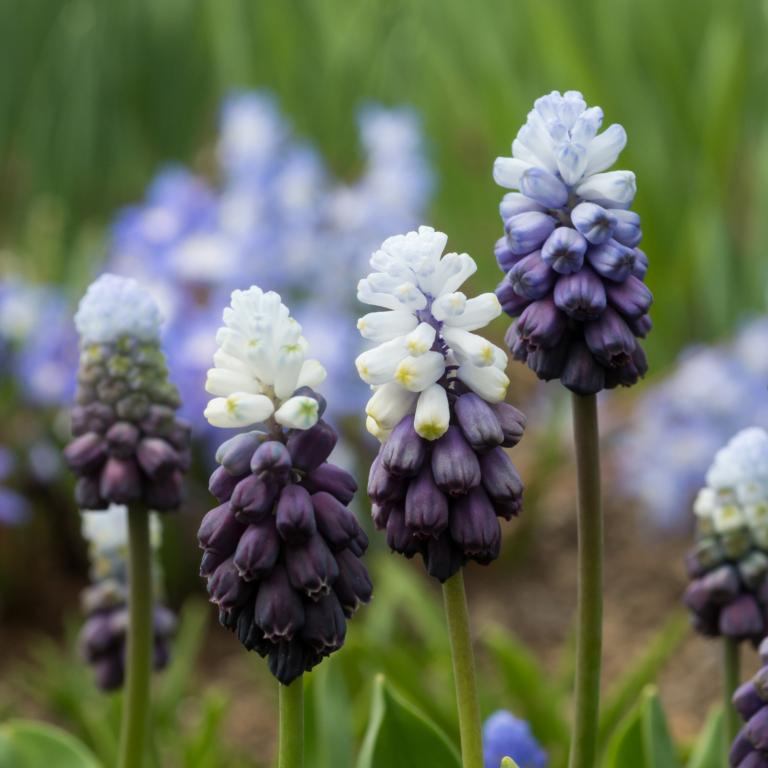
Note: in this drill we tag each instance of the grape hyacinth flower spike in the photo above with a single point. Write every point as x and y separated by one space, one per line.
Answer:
574 279
442 477
282 551
105 600
573 271
728 565
128 449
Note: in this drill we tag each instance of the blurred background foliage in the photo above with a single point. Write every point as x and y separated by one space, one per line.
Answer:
95 96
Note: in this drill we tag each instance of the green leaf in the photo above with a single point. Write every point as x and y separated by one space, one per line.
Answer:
625 749
328 716
707 751
659 750
31 744
641 672
642 740
399 736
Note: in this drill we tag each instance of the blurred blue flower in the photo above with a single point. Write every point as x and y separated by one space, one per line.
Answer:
275 217
505 735
681 421
14 508
39 341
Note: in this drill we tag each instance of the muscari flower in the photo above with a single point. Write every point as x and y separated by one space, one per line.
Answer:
105 602
750 747
505 735
573 271
441 477
282 551
129 447
728 566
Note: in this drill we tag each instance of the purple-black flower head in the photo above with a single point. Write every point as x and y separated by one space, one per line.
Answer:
282 550
102 638
128 445
572 242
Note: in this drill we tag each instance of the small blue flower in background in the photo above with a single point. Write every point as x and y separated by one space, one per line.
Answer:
681 421
505 735
14 508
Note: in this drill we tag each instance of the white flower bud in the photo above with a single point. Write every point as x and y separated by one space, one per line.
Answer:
433 416
490 382
615 189
298 412
239 409
378 365
418 373
471 347
223 382
385 326
389 404
420 340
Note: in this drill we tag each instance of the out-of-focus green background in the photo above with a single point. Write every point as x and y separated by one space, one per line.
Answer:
94 96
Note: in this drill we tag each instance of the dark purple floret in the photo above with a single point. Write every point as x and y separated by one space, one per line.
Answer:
404 451
102 638
282 551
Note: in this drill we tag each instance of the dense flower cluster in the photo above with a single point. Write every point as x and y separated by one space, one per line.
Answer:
105 601
750 748
282 551
505 735
728 593
129 446
441 477
679 422
573 271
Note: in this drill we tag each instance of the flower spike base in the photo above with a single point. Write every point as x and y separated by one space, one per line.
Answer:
457 615
590 605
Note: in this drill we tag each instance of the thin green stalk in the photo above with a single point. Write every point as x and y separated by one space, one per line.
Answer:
290 748
590 602
133 732
731 679
457 615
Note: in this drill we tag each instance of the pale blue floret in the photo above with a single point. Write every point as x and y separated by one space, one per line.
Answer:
114 307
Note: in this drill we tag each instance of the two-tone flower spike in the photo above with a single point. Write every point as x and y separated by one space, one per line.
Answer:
442 477
282 550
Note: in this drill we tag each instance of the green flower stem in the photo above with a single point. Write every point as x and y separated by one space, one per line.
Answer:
731 680
590 584
457 615
290 749
133 732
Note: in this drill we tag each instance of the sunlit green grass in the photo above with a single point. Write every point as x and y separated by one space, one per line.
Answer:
94 96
